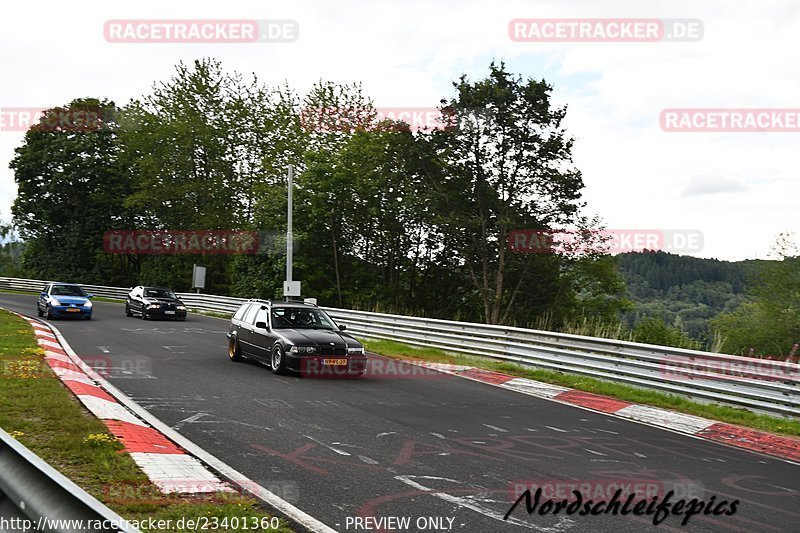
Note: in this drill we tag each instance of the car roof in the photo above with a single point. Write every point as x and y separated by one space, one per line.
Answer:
60 283
155 287
280 304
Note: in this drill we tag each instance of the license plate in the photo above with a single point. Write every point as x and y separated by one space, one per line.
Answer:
334 362
169 312
73 310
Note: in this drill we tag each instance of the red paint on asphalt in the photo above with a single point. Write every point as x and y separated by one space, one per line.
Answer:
487 376
752 439
138 438
592 401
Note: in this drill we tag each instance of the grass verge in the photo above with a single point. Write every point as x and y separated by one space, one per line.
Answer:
723 413
213 314
40 412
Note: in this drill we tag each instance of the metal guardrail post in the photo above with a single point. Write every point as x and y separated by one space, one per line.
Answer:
31 490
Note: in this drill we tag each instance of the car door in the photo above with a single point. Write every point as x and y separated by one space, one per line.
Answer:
138 299
244 331
41 303
261 335
129 299
133 303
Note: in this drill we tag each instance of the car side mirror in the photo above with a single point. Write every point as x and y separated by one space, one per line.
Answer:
342 327
43 294
90 296
261 325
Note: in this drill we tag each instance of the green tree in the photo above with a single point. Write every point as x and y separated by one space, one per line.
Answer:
506 164
71 189
770 322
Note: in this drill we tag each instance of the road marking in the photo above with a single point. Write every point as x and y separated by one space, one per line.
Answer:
557 429
367 460
501 430
170 348
331 448
191 419
104 349
145 330
782 488
322 403
596 453
274 402
386 433
439 436
607 431
466 503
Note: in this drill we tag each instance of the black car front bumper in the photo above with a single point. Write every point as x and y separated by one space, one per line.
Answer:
168 314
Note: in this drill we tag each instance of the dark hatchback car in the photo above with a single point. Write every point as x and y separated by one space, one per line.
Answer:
293 336
154 302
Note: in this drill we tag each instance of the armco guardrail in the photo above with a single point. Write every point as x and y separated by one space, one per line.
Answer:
759 384
34 496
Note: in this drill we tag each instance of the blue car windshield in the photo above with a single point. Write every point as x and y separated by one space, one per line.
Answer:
66 290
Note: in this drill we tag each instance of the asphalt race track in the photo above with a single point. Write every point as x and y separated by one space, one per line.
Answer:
413 446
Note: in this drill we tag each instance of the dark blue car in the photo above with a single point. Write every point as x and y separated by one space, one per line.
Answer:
64 300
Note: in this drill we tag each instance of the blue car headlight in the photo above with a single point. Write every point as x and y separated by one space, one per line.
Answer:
88 304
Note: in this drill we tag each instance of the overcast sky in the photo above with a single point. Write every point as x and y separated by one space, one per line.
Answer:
739 189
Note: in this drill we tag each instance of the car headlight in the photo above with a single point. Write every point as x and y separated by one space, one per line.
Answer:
302 349
87 303
154 306
55 301
181 308
355 350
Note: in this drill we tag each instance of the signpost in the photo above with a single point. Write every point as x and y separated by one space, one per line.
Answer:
198 277
290 288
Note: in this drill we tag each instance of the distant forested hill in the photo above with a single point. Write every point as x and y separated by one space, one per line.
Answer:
684 291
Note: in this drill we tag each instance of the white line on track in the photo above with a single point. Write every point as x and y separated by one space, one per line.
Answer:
331 448
467 503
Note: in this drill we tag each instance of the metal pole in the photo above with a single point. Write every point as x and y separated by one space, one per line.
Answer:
289 228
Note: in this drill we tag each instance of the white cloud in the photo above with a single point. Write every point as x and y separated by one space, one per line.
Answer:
713 185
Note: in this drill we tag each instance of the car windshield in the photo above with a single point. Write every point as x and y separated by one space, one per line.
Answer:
67 290
300 318
159 293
